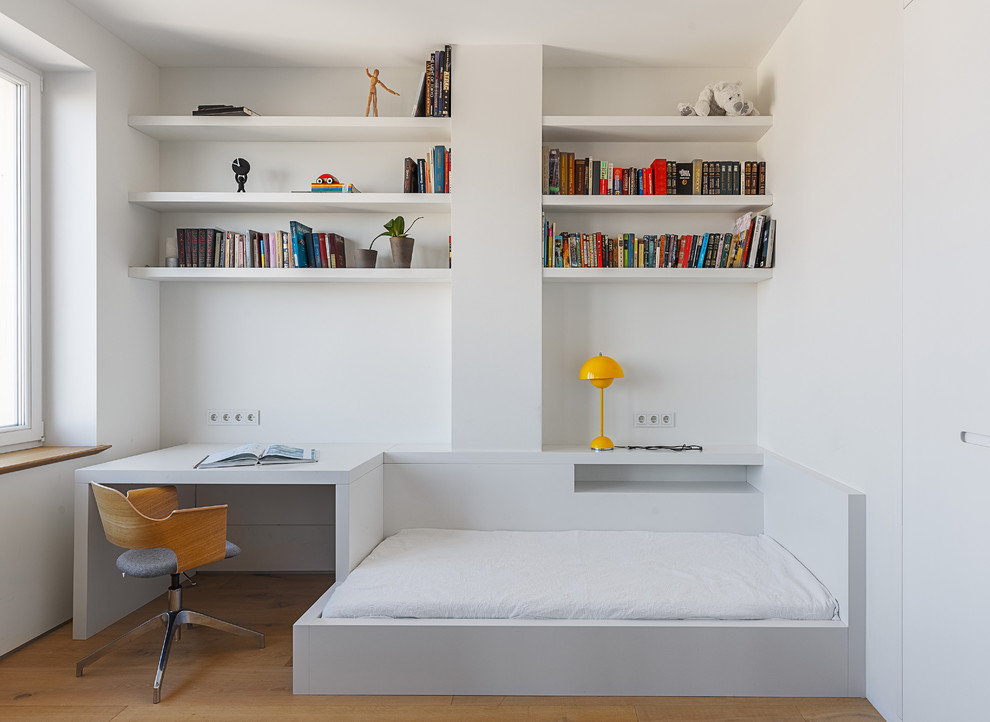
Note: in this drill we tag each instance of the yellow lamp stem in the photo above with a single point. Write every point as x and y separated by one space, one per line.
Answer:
600 371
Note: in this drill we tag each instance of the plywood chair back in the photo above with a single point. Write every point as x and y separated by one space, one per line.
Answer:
150 518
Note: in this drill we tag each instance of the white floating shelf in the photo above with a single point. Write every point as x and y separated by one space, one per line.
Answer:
232 202
657 275
656 204
640 128
292 275
292 128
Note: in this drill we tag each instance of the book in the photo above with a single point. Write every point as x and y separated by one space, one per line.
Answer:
255 454
419 102
298 231
685 179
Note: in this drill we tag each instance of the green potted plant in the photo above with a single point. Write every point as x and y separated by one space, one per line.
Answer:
402 244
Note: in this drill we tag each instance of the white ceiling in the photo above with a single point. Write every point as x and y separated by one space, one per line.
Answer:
349 33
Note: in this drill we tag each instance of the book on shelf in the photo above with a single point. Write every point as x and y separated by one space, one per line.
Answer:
223 110
433 100
298 231
301 248
257 454
427 175
749 244
565 174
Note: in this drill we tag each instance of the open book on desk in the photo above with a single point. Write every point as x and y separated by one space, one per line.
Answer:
252 454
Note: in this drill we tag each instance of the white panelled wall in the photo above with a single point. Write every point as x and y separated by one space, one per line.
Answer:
829 323
946 353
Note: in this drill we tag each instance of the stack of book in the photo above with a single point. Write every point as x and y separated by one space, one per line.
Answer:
749 244
433 98
565 174
428 175
223 110
298 248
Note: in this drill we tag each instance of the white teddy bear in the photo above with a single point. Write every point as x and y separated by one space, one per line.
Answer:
721 98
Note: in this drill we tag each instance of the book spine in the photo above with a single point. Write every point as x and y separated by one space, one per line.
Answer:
446 81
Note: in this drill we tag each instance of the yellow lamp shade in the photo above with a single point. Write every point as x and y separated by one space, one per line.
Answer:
600 370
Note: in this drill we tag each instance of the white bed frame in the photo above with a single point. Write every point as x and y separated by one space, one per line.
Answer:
820 521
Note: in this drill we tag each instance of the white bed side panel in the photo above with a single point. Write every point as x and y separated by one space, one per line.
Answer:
823 523
516 657
359 520
535 497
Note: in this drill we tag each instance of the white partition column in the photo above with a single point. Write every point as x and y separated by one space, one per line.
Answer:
495 220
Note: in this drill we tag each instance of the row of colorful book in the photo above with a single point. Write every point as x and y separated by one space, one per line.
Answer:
565 174
428 175
750 244
433 99
300 247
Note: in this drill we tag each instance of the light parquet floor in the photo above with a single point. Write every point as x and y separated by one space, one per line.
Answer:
213 676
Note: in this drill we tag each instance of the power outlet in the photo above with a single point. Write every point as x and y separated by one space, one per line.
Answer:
233 417
646 418
666 418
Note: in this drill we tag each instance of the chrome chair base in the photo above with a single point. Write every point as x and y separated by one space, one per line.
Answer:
173 619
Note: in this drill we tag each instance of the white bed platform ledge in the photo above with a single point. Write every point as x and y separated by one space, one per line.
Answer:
818 520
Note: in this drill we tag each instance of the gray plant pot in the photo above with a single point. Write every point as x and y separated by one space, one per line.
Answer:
402 249
364 258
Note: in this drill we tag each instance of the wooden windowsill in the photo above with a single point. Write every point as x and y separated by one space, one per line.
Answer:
41 455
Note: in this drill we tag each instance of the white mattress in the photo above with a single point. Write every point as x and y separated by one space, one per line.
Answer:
450 574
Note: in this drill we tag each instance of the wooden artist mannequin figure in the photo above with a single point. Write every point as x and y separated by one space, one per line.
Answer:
373 91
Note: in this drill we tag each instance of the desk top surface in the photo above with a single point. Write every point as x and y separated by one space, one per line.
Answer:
338 464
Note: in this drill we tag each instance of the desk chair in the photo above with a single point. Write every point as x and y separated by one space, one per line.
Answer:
163 539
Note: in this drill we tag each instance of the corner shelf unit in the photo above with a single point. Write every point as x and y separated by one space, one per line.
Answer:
292 275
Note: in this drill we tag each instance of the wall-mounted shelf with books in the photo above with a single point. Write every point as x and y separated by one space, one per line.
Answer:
650 128
292 275
232 202
656 275
291 128
656 204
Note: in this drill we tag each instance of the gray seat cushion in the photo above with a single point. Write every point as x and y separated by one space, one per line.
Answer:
158 562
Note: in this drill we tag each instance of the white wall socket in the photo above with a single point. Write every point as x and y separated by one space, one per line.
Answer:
653 418
233 417
646 418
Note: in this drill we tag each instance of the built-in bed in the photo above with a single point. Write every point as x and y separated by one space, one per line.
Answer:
554 578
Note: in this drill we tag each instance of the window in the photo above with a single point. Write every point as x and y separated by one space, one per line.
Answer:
20 261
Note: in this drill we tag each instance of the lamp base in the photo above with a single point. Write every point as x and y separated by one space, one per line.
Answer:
602 443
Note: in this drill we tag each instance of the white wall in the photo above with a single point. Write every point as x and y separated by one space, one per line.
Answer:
101 336
946 347
829 324
495 221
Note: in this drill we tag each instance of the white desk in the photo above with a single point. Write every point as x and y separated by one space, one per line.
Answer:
101 596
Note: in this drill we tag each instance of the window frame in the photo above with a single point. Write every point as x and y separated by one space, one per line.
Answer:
30 433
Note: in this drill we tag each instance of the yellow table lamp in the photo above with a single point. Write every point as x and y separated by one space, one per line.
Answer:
600 371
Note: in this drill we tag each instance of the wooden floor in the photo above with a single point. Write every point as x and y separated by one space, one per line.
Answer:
213 676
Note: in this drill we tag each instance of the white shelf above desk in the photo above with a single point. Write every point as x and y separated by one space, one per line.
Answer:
291 275
303 128
233 202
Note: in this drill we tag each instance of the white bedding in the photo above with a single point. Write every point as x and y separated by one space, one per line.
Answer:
452 574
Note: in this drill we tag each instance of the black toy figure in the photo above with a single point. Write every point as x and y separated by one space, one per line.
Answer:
241 168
